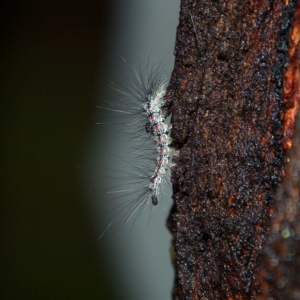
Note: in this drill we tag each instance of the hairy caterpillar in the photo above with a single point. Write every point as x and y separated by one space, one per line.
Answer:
140 111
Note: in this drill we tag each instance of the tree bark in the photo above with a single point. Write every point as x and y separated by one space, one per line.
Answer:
234 95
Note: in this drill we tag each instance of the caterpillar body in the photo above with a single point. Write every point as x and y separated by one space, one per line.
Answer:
140 109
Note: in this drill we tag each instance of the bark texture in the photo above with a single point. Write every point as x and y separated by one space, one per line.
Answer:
280 271
234 97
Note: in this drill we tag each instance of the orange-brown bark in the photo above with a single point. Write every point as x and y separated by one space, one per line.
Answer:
234 96
280 272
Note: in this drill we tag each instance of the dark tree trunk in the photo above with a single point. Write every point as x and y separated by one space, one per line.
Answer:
234 97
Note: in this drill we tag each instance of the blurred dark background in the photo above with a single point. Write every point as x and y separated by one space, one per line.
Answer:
49 63
56 58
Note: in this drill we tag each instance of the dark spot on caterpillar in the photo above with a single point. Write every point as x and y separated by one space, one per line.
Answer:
149 128
154 200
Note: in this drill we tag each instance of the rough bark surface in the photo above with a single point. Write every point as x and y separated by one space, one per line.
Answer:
233 106
280 271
